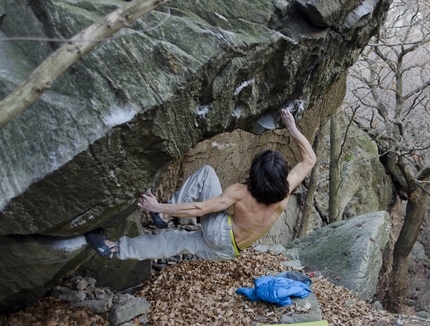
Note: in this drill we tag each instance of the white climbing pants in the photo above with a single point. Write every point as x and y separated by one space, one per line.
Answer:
212 242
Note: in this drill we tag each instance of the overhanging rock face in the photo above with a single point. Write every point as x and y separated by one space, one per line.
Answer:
76 159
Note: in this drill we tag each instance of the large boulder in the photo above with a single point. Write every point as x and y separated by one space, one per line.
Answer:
109 127
31 265
348 252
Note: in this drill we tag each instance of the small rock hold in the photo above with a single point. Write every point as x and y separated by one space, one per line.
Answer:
127 308
67 294
82 285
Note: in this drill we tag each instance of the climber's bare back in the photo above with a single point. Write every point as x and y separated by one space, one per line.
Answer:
251 219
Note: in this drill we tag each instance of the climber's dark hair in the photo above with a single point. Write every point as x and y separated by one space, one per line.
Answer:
267 180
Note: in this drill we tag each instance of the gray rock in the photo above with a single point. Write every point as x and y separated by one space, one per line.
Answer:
378 305
424 314
84 294
84 283
308 311
348 252
98 306
277 249
418 287
310 308
127 308
286 319
419 253
59 256
294 264
292 254
325 12
261 248
68 294
359 15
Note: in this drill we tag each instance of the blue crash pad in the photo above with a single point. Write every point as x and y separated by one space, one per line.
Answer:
277 290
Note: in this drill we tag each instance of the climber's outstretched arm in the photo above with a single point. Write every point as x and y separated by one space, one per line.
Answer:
215 204
299 171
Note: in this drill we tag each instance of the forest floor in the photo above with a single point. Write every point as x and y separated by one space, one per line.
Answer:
199 292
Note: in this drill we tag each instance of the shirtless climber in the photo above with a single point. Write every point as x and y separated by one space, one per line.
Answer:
257 204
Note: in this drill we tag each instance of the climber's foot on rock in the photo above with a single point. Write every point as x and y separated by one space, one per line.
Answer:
99 243
111 245
159 220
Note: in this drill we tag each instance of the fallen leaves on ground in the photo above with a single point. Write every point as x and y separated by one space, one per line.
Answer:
202 292
340 307
49 311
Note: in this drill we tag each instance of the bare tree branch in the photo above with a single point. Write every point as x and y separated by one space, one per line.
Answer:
345 136
423 173
43 77
416 101
418 89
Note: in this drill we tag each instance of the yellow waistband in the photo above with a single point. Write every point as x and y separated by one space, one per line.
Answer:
233 240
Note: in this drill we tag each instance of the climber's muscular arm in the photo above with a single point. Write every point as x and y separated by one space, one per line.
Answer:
215 204
299 171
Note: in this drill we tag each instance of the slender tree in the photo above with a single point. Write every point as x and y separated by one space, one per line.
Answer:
312 186
391 85
334 213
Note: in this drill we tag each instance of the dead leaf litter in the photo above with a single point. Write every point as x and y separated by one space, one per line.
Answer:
200 292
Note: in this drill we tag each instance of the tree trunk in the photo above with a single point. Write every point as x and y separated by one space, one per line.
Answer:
43 77
334 182
415 210
312 186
